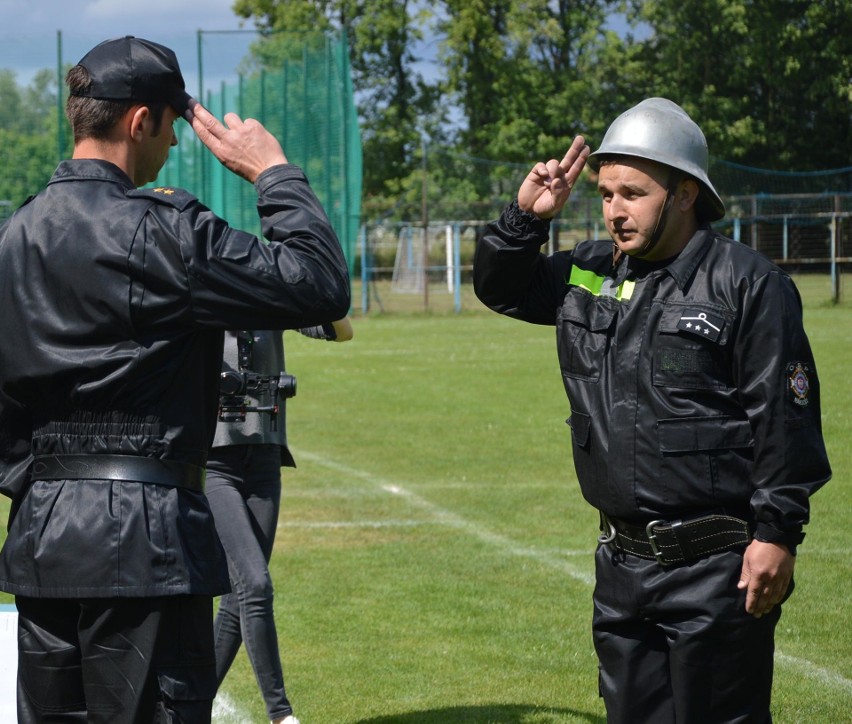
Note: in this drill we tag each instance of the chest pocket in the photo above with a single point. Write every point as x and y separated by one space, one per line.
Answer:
691 350
583 329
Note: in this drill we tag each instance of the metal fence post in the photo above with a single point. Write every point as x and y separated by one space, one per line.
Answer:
365 280
834 245
457 266
60 113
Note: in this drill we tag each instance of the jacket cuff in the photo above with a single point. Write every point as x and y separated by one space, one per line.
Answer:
768 534
276 174
523 226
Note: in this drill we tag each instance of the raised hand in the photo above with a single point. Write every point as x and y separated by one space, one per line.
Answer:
243 146
547 187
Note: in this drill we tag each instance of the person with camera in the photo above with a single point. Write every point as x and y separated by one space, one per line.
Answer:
244 490
115 303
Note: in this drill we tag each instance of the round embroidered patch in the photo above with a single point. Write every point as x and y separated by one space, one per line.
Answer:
800 385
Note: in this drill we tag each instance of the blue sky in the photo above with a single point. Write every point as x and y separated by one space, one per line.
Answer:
28 32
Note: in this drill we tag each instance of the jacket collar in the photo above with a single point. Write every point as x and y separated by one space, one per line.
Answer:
90 169
683 266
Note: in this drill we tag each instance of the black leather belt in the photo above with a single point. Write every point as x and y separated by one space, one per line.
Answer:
676 541
119 467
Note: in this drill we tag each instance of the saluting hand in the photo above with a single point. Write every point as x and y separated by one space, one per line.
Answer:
243 146
766 573
547 187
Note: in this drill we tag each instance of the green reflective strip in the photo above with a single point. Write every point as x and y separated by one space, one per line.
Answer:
625 290
588 280
593 283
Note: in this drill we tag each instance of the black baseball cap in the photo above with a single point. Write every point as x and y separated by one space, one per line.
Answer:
133 69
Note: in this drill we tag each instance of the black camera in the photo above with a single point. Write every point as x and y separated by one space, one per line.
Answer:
235 385
243 382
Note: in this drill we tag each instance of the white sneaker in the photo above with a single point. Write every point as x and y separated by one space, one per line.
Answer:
290 720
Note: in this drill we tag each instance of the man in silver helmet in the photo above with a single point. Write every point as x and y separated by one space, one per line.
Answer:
695 415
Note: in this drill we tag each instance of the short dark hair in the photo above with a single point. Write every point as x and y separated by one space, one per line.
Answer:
95 118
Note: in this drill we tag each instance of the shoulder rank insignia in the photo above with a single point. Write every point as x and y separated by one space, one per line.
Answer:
799 384
701 324
167 195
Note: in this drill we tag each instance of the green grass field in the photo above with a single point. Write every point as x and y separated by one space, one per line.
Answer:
434 555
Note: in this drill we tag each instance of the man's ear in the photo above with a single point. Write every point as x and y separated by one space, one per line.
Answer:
138 117
687 194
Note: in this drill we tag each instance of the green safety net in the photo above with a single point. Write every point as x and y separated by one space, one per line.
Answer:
307 103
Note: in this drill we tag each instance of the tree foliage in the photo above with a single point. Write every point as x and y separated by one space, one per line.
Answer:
514 67
396 105
28 136
770 81
474 90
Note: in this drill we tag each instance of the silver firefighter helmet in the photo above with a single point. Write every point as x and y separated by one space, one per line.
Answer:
659 130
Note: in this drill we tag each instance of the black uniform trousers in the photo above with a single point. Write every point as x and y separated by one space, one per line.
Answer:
116 660
675 644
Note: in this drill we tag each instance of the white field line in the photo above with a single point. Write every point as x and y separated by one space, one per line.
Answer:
225 711
487 536
829 678
356 524
554 559
446 517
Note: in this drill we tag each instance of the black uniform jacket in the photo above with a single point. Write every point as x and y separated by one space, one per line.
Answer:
691 383
114 304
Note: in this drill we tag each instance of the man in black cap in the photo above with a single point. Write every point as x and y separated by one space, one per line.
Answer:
115 300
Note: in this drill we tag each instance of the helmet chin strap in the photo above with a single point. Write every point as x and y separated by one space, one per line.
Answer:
662 219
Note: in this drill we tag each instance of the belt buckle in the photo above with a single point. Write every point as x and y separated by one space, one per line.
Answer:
652 540
608 532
